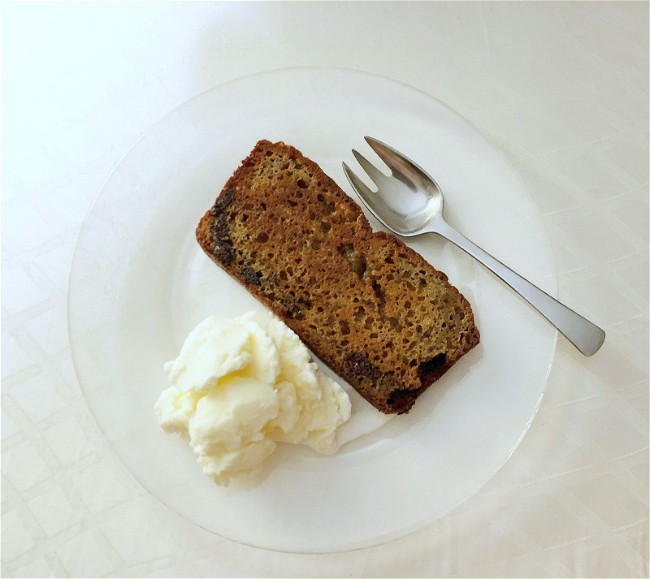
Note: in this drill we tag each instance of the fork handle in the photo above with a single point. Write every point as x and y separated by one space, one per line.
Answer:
584 335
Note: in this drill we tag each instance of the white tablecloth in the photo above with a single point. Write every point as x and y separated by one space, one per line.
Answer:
560 88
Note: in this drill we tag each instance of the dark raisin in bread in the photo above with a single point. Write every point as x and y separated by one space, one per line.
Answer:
370 307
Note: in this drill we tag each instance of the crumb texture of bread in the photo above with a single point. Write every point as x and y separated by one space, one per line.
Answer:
370 307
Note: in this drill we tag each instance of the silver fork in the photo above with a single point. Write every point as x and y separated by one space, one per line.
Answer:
409 202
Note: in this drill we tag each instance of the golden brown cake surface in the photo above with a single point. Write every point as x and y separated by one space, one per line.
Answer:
369 306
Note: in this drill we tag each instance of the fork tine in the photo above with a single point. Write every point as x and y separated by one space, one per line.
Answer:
375 174
359 186
385 152
401 166
370 199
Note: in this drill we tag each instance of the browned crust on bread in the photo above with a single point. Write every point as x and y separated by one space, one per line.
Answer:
369 306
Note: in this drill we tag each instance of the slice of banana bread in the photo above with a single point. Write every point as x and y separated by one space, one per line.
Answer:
369 306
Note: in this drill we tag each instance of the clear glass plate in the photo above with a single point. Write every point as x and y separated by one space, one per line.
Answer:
140 283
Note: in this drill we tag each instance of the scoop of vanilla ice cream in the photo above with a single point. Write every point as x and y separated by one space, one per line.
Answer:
239 386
